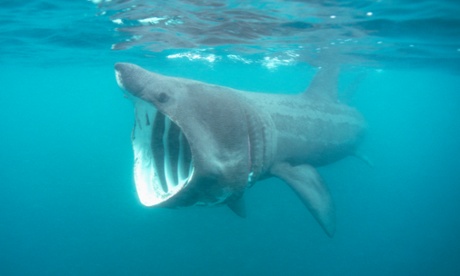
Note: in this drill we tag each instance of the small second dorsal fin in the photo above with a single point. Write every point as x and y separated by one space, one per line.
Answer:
324 84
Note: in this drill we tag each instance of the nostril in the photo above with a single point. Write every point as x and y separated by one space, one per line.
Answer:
162 97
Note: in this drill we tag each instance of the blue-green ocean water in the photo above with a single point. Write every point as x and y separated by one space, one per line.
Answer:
68 204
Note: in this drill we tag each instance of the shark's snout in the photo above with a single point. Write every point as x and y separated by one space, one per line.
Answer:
121 70
131 78
126 68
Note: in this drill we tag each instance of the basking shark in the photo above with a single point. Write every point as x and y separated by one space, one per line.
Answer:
202 144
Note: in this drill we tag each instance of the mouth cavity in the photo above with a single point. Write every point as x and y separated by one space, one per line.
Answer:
163 161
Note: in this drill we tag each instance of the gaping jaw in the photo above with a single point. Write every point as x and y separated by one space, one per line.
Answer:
163 163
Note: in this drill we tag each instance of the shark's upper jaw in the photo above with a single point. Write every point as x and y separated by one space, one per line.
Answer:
163 162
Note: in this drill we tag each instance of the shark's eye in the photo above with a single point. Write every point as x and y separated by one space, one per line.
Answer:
162 97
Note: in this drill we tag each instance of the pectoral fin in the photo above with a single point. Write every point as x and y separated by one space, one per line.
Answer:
238 207
307 183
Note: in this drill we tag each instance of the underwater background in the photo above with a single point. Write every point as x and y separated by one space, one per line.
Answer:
68 204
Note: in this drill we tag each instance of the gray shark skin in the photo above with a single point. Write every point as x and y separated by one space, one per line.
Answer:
196 143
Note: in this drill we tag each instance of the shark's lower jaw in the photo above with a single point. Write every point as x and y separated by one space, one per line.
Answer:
163 162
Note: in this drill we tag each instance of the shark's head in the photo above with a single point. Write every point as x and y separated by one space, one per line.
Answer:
191 141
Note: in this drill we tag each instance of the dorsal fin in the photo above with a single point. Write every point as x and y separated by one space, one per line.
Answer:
324 84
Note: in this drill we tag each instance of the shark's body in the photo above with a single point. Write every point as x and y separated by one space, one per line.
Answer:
202 144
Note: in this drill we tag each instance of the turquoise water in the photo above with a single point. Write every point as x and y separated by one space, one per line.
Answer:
68 204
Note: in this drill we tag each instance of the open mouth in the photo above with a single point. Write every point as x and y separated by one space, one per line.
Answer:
163 162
